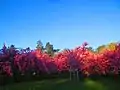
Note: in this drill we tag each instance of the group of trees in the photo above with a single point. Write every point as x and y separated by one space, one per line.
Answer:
49 49
104 60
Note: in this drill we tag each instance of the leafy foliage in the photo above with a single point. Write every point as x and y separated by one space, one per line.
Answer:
37 62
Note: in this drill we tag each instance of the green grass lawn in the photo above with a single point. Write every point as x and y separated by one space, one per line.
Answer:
102 83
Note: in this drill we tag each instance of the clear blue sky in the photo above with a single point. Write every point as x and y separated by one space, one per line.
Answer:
65 23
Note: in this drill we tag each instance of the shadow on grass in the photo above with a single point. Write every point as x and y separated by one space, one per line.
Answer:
102 83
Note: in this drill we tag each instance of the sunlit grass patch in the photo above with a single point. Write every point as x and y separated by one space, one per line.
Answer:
94 85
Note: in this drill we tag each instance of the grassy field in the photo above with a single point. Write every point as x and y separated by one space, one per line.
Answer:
102 83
